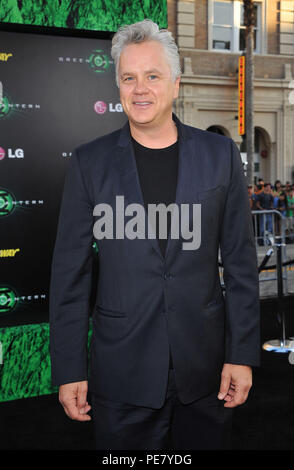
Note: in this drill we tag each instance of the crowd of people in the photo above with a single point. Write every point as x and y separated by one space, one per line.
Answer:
280 197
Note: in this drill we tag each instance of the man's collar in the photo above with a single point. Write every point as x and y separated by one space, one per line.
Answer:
125 135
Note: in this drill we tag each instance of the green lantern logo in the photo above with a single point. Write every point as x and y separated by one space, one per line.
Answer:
7 203
8 300
98 61
4 107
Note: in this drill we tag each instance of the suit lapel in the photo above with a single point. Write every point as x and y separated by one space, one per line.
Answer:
128 178
184 181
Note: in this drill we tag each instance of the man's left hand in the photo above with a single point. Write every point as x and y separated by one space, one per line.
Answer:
236 381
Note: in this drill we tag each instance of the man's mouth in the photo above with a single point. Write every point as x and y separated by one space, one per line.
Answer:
142 103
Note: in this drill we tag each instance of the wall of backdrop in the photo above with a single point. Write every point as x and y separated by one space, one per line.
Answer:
56 92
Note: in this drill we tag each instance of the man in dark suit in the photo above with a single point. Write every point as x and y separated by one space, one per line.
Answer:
171 354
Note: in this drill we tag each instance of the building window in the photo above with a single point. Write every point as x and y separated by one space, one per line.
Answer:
216 130
228 29
223 15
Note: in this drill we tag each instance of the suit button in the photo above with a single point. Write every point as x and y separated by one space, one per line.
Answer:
167 276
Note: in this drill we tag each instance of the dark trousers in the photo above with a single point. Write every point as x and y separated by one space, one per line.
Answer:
201 425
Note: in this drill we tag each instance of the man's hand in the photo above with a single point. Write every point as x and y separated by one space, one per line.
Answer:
236 382
73 397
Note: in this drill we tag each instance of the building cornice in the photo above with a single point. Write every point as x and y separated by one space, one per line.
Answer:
263 56
191 79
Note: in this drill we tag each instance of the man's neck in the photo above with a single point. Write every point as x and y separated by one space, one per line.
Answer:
155 137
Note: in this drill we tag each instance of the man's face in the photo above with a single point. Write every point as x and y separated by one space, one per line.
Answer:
267 189
146 88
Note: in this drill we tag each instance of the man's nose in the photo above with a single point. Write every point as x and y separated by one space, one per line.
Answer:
140 86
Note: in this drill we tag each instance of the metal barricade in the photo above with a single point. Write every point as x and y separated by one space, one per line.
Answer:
270 230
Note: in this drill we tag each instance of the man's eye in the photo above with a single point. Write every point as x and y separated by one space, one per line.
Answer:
128 79
152 77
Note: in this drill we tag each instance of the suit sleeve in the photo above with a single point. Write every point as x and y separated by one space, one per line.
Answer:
239 260
71 277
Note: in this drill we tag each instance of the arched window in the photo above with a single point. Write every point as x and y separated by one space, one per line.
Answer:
218 130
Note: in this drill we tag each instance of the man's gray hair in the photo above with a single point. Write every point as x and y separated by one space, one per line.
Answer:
143 31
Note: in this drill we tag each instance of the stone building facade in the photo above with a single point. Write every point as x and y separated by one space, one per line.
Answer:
210 35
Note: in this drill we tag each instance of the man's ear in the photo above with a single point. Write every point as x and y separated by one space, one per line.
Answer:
177 87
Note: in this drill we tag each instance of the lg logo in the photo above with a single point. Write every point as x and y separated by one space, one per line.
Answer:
115 108
18 153
101 107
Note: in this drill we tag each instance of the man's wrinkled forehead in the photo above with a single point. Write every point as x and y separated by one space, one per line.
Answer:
146 57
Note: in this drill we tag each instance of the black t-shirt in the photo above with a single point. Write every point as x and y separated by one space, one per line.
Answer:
158 173
266 200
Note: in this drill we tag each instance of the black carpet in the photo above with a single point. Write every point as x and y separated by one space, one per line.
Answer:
264 422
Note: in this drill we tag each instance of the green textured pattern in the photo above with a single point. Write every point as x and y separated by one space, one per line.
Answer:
25 370
97 15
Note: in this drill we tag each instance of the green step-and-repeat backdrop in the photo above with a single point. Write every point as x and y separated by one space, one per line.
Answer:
57 91
97 15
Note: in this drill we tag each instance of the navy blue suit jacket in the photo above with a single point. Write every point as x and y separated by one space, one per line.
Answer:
147 303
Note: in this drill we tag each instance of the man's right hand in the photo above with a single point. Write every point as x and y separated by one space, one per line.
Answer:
73 397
